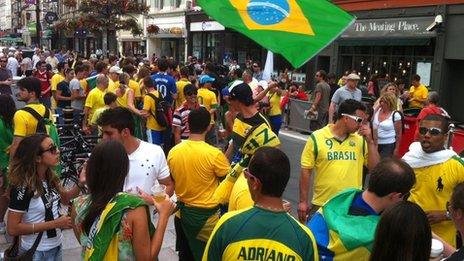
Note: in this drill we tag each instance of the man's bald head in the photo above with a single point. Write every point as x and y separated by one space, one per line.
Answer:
102 81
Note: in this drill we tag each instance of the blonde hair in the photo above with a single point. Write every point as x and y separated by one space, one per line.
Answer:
391 100
384 89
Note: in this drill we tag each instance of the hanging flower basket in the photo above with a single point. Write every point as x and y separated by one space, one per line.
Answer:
70 3
153 29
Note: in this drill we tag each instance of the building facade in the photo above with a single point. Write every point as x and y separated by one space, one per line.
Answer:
5 16
168 16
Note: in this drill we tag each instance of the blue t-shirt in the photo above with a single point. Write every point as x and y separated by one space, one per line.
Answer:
165 84
63 86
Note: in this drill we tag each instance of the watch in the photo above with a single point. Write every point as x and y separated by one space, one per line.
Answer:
448 215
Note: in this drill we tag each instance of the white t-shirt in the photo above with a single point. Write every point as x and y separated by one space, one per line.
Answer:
13 66
34 212
147 164
386 129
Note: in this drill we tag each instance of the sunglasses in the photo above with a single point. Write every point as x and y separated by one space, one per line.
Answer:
248 175
355 118
53 150
433 131
3 61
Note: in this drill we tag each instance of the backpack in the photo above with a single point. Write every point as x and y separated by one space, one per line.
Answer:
162 111
44 124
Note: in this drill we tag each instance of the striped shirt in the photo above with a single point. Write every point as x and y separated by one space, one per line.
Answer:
180 119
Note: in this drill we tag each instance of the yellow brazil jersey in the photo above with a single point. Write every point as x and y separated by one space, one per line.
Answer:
207 98
113 86
259 234
150 106
196 168
84 84
56 78
135 86
274 101
94 101
240 197
433 188
420 93
96 115
338 165
123 101
180 91
24 123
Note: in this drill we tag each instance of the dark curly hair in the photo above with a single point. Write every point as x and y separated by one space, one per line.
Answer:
7 110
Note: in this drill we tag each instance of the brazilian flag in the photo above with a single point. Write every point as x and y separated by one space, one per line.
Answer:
296 29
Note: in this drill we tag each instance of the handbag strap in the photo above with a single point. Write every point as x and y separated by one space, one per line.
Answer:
37 241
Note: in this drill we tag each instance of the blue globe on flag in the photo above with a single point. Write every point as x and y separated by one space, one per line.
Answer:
268 12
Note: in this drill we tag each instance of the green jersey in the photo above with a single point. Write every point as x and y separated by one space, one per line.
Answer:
259 234
6 138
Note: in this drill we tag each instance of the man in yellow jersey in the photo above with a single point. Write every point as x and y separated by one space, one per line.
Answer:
94 101
55 80
25 124
418 93
196 168
207 98
251 131
438 171
154 129
265 231
345 226
337 155
113 74
180 84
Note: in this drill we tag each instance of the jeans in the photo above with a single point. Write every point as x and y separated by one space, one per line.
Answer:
54 254
155 137
276 122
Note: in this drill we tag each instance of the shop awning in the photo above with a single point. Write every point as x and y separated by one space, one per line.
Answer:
384 42
11 39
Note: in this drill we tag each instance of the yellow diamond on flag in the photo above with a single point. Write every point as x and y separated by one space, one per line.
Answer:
277 15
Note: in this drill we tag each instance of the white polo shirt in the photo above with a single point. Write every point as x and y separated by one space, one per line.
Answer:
147 164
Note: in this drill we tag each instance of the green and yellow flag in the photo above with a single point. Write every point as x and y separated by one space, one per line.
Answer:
296 29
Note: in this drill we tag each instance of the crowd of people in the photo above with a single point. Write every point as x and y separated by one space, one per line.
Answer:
209 136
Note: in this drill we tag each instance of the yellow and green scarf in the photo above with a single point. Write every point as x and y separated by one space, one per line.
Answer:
105 242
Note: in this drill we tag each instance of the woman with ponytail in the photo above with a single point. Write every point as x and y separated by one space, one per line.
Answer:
108 222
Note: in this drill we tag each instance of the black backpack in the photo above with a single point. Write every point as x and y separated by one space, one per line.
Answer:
161 113
42 121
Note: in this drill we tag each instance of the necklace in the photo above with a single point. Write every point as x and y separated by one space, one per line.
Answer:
269 208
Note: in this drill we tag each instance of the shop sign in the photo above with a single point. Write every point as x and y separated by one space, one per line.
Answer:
51 17
411 27
206 26
169 32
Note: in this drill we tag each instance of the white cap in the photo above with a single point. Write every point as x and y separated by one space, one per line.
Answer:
115 69
353 76
263 84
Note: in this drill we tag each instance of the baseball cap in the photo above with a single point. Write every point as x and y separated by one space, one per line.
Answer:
263 84
206 78
353 76
242 93
115 69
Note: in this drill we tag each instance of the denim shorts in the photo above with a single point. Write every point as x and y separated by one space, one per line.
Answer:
54 254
